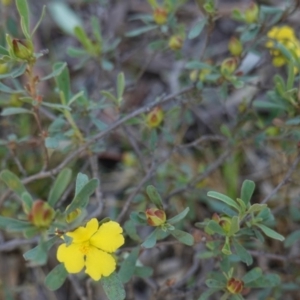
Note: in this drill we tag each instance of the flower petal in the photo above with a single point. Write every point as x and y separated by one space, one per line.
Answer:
108 237
82 234
99 263
71 256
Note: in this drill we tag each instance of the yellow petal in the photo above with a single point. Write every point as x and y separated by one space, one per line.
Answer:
99 263
278 61
71 256
109 237
82 234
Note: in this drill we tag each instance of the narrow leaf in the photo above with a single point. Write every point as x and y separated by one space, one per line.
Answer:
15 110
154 196
270 232
57 71
56 278
128 266
252 275
183 237
13 182
197 29
248 188
23 10
224 199
62 181
113 287
242 253
179 217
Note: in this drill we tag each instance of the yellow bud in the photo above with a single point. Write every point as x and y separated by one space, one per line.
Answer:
272 131
3 68
235 286
73 215
41 214
193 75
155 216
160 15
228 66
225 223
129 159
22 49
155 117
175 42
252 13
235 46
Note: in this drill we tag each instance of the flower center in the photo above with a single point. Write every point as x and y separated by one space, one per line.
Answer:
85 247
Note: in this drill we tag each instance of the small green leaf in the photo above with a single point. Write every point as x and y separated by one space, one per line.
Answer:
242 253
252 275
56 278
113 287
138 218
6 89
80 200
179 217
130 229
183 237
128 266
224 199
62 181
292 238
15 72
57 71
270 232
27 202
140 30
234 226
215 227
150 240
226 248
51 142
120 86
256 208
110 96
208 293
22 7
197 29
81 181
14 111
62 79
248 188
154 196
13 182
39 21
213 283
84 39
13 224
198 65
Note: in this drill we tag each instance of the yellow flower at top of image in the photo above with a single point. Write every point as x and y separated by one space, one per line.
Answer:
92 247
287 37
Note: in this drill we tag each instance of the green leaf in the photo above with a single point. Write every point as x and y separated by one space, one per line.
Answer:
6 89
84 39
198 65
197 29
24 13
59 107
14 111
242 253
64 17
252 275
15 72
13 182
80 200
140 30
27 202
270 232
248 188
57 71
179 217
183 237
154 196
109 96
39 21
215 227
234 226
224 199
226 247
142 271
39 254
13 224
256 208
61 183
138 218
128 266
56 278
51 143
130 229
120 86
150 240
113 287
81 181
213 283
292 238
63 80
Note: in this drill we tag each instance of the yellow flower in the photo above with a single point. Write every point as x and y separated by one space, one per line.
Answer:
286 36
155 117
91 247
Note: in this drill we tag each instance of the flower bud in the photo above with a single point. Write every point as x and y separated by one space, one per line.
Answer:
160 15
155 117
175 42
251 13
22 49
3 68
235 286
193 75
41 214
225 223
129 159
155 216
228 66
73 215
235 47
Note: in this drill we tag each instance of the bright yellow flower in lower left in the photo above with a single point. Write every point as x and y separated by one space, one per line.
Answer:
91 247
